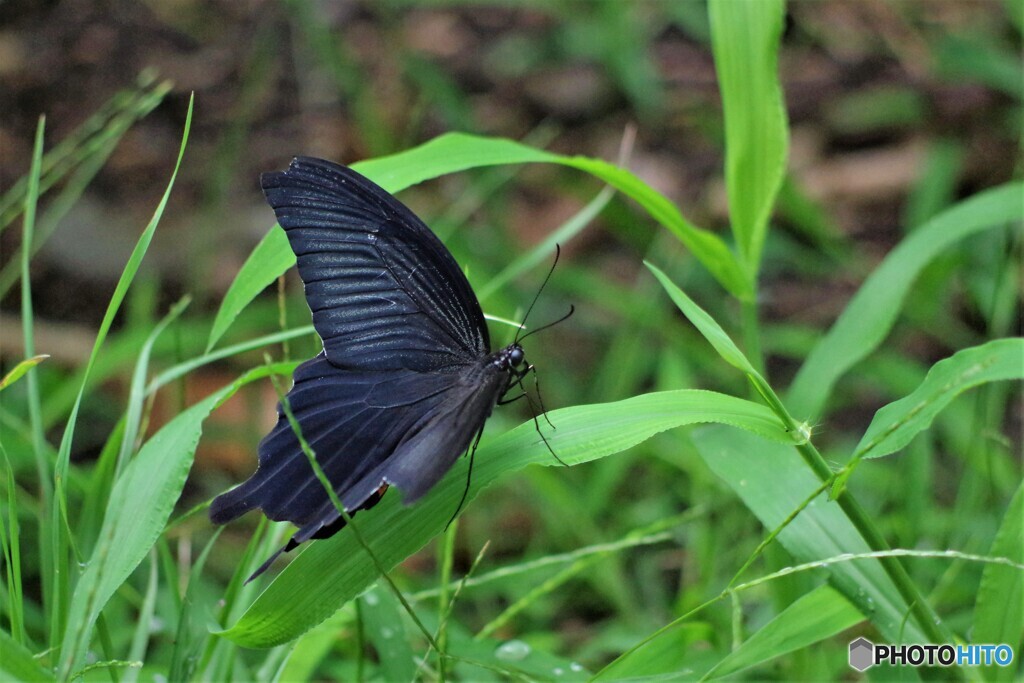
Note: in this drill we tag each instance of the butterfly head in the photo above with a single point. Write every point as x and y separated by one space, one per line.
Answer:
511 358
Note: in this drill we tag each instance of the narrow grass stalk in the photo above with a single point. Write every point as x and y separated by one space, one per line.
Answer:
446 560
10 538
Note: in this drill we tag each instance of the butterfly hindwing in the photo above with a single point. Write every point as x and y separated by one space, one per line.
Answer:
366 429
384 291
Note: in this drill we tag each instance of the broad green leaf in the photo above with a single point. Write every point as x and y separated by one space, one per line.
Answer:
745 42
18 664
871 313
19 370
140 504
455 152
339 567
772 481
816 616
271 258
897 423
999 610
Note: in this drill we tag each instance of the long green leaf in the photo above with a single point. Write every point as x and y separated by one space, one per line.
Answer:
816 616
57 612
870 315
999 610
140 505
18 664
745 42
897 423
455 152
338 566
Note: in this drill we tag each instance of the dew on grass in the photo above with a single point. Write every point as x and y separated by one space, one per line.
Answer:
513 651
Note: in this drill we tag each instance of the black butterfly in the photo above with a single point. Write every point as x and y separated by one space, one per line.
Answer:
406 379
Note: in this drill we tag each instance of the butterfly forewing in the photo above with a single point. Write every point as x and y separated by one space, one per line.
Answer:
405 381
384 291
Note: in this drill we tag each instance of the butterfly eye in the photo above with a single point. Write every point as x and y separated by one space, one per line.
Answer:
516 357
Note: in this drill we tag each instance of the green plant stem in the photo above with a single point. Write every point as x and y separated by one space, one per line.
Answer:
447 559
929 621
752 333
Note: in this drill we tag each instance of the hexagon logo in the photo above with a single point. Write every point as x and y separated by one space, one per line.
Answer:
862 654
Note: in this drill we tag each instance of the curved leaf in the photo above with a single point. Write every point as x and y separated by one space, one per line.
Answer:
871 313
460 152
896 424
140 504
339 568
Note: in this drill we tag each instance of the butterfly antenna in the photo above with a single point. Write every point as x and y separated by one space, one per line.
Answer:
572 309
522 325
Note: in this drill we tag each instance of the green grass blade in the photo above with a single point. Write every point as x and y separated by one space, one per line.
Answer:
726 348
18 664
50 532
999 610
140 504
772 481
705 324
19 370
286 609
816 616
59 542
745 41
872 312
896 424
144 627
194 621
182 369
10 545
125 281
455 152
137 392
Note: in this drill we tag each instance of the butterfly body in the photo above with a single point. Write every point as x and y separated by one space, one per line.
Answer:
406 378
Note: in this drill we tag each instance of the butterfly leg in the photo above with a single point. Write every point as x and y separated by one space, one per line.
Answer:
536 425
540 399
469 477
